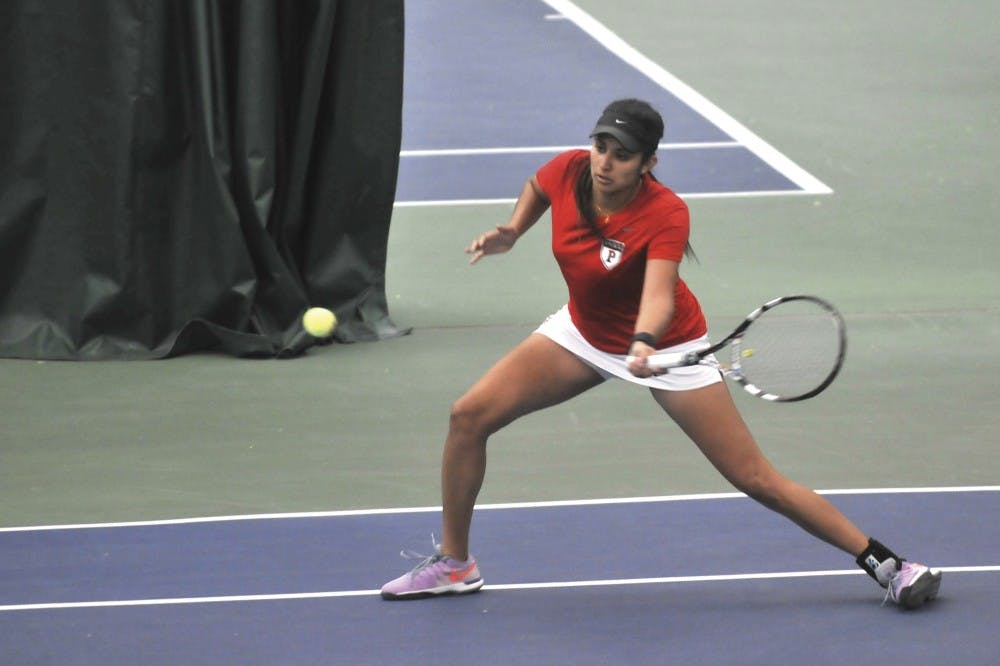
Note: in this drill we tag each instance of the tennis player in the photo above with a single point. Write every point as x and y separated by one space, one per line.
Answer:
619 236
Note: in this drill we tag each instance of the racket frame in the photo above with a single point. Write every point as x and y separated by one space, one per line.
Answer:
733 370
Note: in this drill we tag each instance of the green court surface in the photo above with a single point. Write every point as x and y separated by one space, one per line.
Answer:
893 105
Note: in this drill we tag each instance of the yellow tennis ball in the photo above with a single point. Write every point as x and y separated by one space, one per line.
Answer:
319 322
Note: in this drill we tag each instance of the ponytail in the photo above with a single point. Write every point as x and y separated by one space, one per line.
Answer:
583 193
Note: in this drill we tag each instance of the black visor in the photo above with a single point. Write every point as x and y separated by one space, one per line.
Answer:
626 129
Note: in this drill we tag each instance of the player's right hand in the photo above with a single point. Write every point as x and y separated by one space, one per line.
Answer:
493 241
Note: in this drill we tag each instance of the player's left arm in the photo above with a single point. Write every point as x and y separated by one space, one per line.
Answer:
656 309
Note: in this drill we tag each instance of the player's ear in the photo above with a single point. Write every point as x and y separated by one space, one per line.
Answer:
650 163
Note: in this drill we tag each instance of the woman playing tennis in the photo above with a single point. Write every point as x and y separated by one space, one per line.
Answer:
619 236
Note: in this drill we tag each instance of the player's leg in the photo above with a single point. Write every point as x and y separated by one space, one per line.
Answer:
710 418
538 373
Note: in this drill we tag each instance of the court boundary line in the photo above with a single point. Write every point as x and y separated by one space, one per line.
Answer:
483 507
527 150
684 195
622 49
501 587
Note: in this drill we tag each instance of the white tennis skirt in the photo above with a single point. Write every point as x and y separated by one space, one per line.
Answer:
559 327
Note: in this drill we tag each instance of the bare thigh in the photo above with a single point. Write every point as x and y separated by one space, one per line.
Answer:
537 373
710 418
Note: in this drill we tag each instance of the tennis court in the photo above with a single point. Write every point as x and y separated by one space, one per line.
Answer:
207 509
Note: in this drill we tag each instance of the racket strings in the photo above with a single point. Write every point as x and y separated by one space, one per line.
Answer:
790 354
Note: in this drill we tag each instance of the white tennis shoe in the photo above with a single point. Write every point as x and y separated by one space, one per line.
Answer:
911 585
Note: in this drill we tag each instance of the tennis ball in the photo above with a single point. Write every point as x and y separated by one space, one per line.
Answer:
319 322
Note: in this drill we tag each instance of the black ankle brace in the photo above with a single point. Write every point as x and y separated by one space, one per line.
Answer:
874 555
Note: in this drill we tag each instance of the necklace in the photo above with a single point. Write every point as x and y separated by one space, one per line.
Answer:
606 214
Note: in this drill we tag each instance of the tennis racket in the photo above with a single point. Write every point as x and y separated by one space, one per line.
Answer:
789 349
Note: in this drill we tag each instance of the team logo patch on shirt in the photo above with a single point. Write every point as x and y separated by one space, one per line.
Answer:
611 252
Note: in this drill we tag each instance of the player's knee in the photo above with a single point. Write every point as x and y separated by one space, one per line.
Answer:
761 485
469 417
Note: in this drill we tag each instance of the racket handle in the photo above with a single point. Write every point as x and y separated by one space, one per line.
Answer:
666 361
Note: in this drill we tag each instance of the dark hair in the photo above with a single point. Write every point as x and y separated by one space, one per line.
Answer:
642 128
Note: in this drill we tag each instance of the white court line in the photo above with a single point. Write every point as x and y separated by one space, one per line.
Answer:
684 195
780 575
715 578
486 507
689 96
526 150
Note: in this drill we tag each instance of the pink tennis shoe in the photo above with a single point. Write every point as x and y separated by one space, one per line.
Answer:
435 575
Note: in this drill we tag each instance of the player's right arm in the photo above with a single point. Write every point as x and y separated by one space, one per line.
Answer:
530 206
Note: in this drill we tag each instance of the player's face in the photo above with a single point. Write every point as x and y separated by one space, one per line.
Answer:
613 168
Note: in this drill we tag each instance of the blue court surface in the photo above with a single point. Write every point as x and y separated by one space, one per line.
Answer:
474 128
703 578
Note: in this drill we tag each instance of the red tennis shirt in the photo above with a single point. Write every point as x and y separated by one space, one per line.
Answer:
605 277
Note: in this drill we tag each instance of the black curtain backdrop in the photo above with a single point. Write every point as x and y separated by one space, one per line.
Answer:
185 175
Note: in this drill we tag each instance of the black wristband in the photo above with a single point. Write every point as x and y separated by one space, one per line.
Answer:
644 337
874 555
